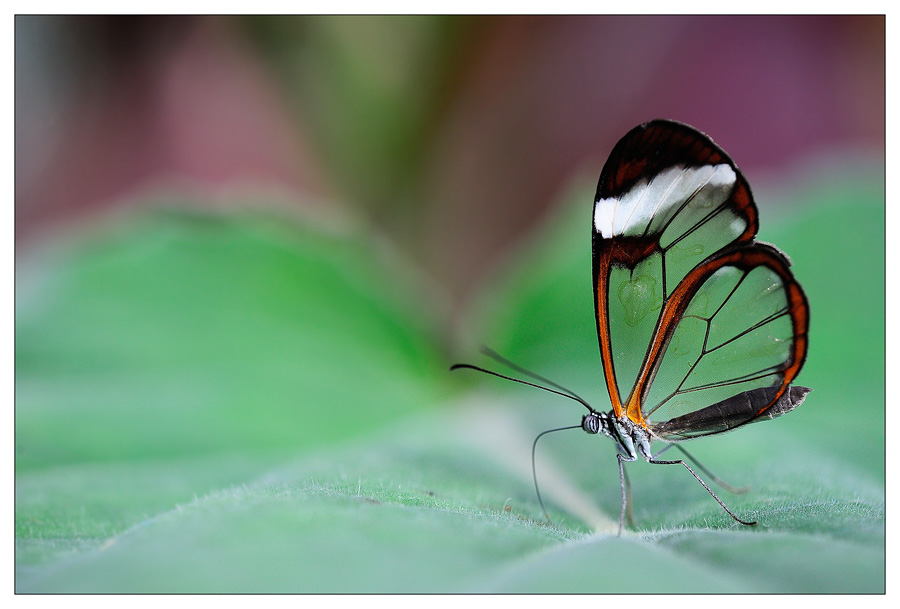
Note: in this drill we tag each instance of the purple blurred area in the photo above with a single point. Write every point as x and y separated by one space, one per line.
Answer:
452 135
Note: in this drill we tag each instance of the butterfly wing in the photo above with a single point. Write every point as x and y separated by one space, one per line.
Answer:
677 270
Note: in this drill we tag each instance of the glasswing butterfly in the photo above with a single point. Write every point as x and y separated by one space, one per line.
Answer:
702 328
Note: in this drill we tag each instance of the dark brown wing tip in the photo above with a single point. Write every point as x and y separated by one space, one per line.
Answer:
652 146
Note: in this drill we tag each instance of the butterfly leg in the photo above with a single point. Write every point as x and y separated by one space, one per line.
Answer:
625 486
700 480
629 515
709 474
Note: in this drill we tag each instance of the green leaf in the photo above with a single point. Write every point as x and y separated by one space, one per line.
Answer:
242 402
195 333
176 352
421 508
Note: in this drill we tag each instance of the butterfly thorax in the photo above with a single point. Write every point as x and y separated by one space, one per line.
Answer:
631 438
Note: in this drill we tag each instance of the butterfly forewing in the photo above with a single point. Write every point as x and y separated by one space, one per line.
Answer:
689 214
691 311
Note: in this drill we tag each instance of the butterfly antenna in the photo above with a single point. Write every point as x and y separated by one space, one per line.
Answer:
557 389
515 380
534 468
500 359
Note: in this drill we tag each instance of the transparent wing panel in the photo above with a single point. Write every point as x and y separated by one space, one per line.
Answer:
757 297
736 335
698 236
635 301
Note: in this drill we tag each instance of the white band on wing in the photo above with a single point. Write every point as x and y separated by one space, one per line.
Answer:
658 200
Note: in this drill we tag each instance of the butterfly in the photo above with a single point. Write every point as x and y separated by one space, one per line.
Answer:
702 328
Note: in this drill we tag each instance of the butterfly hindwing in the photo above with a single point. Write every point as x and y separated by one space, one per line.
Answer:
736 325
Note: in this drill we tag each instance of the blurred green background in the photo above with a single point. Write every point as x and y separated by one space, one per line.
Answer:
248 249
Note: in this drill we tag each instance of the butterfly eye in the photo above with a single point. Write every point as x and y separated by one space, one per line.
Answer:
591 423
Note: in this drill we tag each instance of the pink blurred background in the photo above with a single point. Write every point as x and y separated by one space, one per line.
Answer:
453 136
